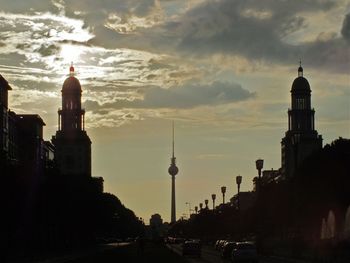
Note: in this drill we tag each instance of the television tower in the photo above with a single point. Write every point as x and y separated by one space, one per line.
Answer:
173 170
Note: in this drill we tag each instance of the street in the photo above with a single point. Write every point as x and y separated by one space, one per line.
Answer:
210 255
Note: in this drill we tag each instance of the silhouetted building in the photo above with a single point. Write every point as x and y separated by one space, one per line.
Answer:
301 139
30 143
269 176
21 138
246 200
72 144
157 230
156 220
4 126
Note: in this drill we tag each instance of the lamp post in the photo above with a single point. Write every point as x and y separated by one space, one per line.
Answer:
206 201
223 191
213 197
259 165
238 182
200 206
196 209
189 208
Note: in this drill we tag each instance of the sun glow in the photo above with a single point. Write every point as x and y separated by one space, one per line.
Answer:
71 53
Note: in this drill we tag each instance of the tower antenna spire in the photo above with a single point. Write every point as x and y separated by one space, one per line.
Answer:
173 140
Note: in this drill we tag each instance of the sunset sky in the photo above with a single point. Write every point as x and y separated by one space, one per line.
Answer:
221 69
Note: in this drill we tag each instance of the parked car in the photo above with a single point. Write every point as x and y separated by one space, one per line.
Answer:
192 247
244 252
226 250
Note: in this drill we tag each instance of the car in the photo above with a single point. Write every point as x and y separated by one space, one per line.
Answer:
227 249
192 247
244 252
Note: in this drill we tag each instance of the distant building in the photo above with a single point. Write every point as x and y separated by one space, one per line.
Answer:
301 139
156 220
157 229
72 144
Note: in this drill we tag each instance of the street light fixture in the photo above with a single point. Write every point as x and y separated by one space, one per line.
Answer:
196 209
213 197
206 201
200 206
223 191
238 181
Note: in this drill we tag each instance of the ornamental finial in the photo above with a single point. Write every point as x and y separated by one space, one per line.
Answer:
71 69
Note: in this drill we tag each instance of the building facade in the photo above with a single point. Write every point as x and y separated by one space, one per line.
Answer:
301 139
72 144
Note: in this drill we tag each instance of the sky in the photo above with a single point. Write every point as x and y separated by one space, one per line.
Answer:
220 69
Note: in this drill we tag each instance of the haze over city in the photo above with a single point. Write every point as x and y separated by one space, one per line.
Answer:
221 70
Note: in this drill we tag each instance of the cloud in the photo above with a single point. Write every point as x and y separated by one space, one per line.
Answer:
186 97
255 29
29 6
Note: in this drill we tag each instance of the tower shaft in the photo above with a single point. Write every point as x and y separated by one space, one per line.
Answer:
173 201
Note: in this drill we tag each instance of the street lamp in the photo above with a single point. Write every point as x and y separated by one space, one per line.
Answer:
206 201
196 209
259 165
200 206
223 191
238 181
213 197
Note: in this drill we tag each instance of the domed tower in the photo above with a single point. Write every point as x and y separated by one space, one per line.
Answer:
173 171
72 144
301 139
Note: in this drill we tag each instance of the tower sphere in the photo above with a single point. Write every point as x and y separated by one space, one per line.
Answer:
173 170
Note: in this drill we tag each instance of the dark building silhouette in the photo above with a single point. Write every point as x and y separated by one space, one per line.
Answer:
301 139
72 144
30 143
21 139
4 125
156 221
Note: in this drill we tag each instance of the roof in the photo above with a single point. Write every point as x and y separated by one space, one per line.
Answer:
31 117
4 83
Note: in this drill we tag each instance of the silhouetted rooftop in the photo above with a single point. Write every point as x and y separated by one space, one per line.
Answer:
4 83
